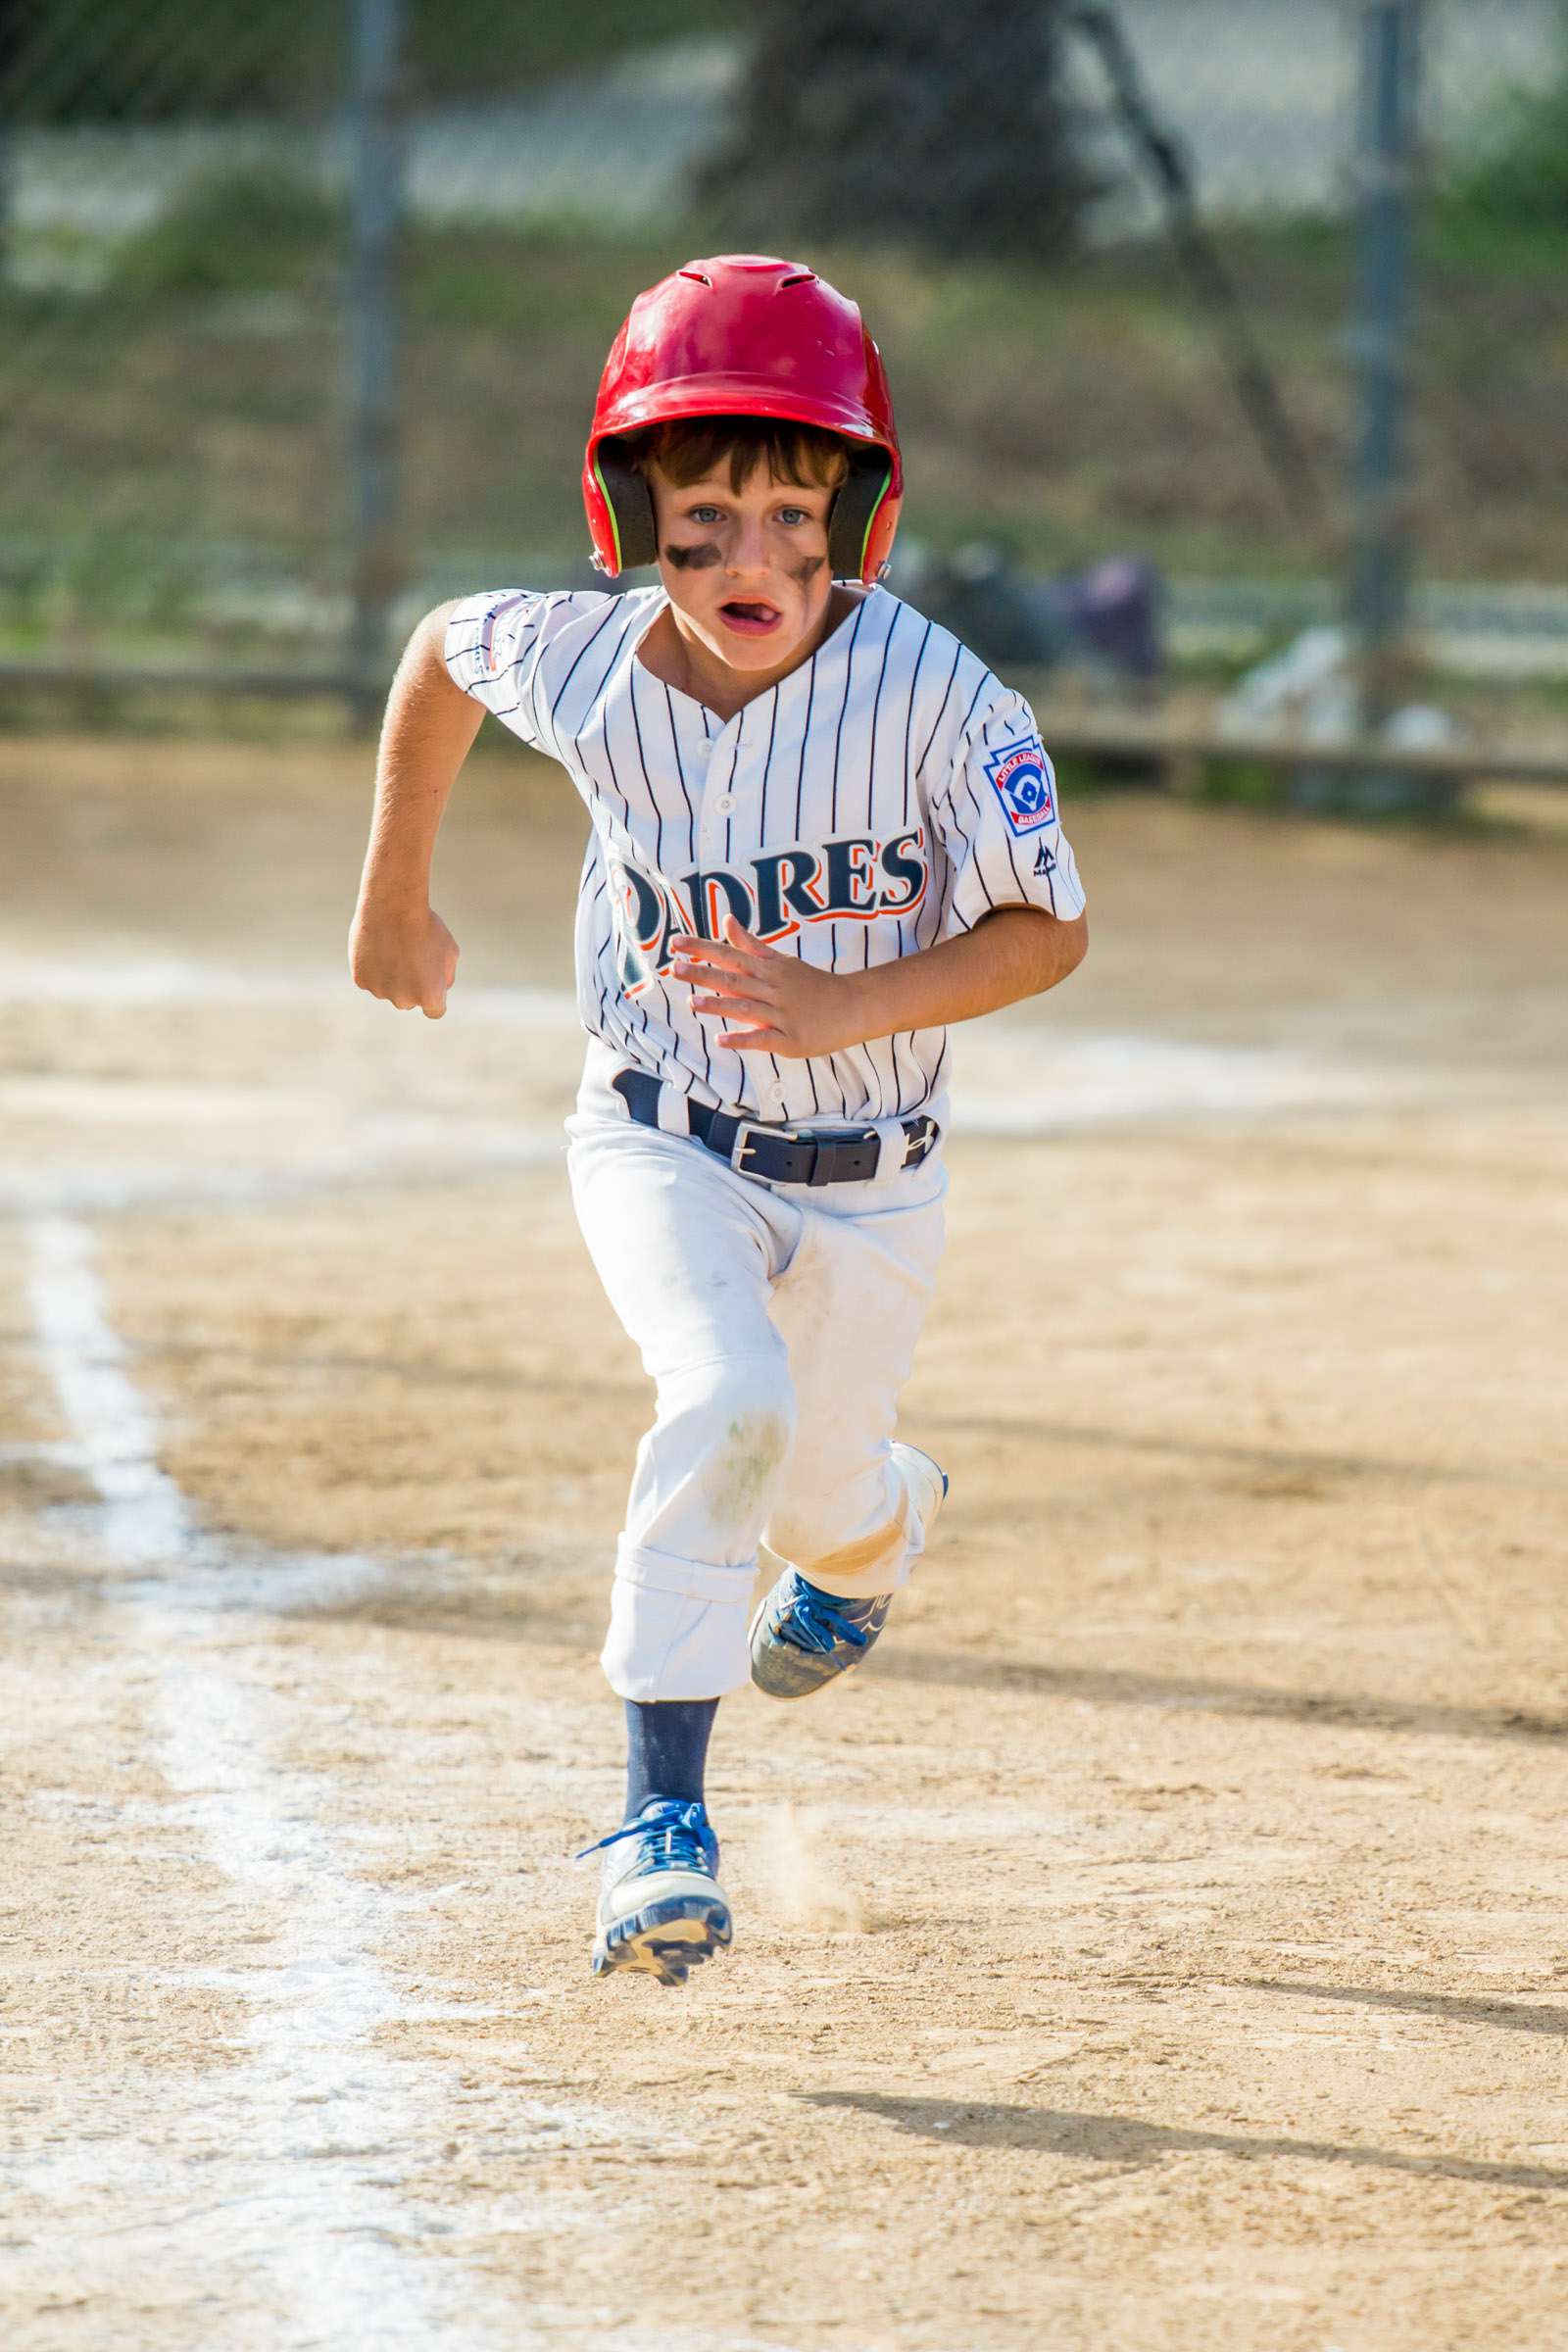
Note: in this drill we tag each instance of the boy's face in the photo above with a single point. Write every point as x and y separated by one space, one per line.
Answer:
746 569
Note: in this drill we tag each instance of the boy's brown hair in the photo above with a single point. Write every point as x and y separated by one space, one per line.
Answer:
691 447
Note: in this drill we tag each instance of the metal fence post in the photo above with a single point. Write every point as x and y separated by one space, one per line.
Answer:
9 52
1380 567
374 132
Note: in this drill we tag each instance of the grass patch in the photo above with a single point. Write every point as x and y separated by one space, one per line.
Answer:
234 233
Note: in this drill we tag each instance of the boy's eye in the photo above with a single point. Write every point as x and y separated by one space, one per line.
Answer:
702 515
793 515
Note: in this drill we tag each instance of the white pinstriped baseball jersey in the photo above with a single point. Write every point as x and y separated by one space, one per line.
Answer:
886 794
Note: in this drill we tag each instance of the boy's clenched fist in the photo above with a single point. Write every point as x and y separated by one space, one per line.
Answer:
405 956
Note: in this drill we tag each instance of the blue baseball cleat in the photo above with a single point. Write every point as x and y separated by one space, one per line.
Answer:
661 1906
802 1636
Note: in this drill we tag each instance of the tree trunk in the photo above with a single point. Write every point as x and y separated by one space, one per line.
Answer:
916 123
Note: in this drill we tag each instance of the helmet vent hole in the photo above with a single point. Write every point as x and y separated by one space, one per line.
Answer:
798 277
699 277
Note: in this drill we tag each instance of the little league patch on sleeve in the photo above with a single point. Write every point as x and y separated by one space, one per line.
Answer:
1023 777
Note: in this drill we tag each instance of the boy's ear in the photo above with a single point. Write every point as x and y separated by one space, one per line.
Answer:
631 501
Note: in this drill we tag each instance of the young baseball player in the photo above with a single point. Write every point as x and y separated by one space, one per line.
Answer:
820 831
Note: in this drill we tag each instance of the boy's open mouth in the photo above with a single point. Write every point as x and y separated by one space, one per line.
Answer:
751 617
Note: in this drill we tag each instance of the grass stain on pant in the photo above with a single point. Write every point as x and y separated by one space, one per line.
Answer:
753 1453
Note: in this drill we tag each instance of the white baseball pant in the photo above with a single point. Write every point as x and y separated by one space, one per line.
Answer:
778 1325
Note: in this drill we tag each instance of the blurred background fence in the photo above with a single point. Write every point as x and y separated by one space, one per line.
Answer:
302 311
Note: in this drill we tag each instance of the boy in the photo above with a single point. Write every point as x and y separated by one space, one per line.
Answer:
821 831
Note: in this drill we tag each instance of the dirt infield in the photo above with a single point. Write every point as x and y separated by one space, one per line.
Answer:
1160 1945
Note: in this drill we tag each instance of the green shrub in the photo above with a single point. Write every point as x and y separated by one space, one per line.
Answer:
1518 180
234 233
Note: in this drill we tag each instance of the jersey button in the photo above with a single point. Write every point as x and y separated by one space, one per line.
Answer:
724 803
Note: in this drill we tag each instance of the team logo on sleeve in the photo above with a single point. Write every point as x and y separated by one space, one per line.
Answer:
493 658
1023 778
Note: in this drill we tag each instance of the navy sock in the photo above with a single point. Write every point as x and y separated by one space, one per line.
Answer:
666 1748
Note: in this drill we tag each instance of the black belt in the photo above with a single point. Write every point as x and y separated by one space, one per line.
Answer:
779 1154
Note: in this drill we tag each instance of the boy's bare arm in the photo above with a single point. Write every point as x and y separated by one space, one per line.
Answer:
398 948
792 1007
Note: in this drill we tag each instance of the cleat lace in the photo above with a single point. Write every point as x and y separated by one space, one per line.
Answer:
816 1622
677 1838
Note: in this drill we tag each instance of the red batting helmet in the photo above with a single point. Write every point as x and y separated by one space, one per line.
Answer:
746 335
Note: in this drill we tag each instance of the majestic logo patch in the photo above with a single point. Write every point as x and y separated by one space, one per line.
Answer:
1045 860
1023 777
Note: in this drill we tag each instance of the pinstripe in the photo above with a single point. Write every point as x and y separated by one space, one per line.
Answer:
870 764
1023 887
909 785
638 1007
604 937
919 765
742 1075
762 833
876 1092
561 692
729 787
680 772
772 730
909 720
837 1062
969 835
973 698
805 737
653 802
838 732
799 787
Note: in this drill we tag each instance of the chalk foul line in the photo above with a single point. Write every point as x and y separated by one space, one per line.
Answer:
320 2124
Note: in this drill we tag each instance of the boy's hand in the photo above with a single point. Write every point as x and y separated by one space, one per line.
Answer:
790 1007
406 956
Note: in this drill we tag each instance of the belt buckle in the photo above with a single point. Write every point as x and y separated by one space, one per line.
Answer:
745 1147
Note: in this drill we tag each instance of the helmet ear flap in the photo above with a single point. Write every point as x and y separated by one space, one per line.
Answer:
854 509
631 503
